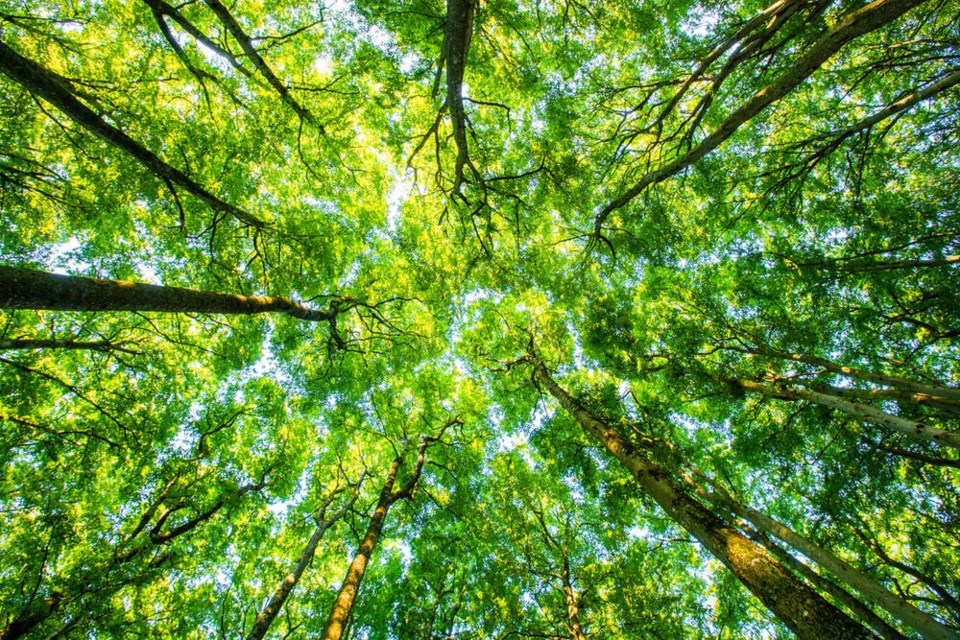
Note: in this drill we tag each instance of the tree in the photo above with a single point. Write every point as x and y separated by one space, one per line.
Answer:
686 272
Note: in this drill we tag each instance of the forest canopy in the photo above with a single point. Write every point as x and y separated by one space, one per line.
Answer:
466 319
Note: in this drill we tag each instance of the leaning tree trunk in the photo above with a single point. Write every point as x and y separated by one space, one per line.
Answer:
859 609
860 411
875 592
340 613
906 384
786 596
941 402
42 83
29 289
269 612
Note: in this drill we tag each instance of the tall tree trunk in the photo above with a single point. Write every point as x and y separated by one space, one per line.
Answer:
340 613
862 374
29 289
459 31
14 344
792 601
270 611
850 26
40 82
875 592
941 402
858 608
573 604
342 606
862 412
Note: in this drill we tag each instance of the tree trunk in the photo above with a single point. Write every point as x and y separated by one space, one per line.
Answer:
15 344
862 412
872 590
573 605
852 25
340 613
40 82
785 595
459 31
941 402
840 595
846 265
270 611
23 624
29 289
342 606
862 374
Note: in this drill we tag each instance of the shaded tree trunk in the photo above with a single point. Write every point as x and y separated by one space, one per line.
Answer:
850 26
270 611
872 590
459 31
862 412
785 595
15 344
858 608
29 289
24 623
40 82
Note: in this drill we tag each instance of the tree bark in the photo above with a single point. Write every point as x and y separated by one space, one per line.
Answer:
940 401
14 344
862 374
862 412
785 595
29 289
875 592
852 25
23 624
270 611
839 594
43 84
337 621
893 265
459 31
340 613
256 59
573 604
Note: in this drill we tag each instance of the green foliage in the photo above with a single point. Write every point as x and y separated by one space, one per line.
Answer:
161 473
